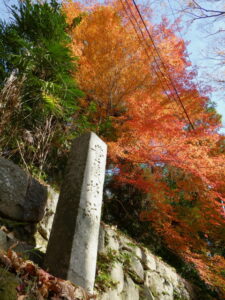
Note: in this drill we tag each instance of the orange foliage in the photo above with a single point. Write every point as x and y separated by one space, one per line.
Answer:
182 171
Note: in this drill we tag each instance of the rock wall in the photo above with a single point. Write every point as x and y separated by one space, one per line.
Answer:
128 271
125 270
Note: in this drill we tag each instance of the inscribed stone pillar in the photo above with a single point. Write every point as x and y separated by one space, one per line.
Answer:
72 248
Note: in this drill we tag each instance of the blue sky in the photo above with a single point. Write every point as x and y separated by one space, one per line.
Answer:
201 44
4 13
199 48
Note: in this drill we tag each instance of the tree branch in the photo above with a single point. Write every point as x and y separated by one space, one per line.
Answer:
203 13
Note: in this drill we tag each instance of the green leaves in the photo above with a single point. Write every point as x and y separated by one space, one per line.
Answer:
52 104
34 46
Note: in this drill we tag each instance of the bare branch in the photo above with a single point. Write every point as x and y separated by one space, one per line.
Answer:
199 12
216 32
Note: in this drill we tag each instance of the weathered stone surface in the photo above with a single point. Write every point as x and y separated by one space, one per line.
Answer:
73 243
130 291
145 294
111 295
111 239
167 292
161 282
167 272
40 242
138 252
117 276
154 282
149 260
45 225
160 288
21 197
136 269
125 243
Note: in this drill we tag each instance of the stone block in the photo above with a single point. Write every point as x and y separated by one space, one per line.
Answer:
136 269
111 240
117 275
149 260
40 242
126 243
154 282
111 295
129 245
130 291
22 197
145 294
45 225
167 272
167 293
138 252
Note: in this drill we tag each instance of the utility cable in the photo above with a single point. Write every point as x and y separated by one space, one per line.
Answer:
146 51
163 64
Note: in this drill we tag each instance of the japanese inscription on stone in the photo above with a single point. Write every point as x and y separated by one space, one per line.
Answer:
72 249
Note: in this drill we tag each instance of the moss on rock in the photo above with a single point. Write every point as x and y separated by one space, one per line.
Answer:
8 284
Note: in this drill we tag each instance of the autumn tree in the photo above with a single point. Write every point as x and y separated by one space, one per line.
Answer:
112 62
146 98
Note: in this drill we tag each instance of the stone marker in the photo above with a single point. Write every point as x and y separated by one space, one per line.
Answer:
72 248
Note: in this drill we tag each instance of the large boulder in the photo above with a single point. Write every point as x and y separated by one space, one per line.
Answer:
22 197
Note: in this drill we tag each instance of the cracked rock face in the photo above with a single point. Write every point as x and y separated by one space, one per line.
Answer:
22 197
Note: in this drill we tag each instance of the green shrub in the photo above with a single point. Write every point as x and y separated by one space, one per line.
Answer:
38 92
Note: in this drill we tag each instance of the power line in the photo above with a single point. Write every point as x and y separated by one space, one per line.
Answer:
159 55
144 40
163 64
